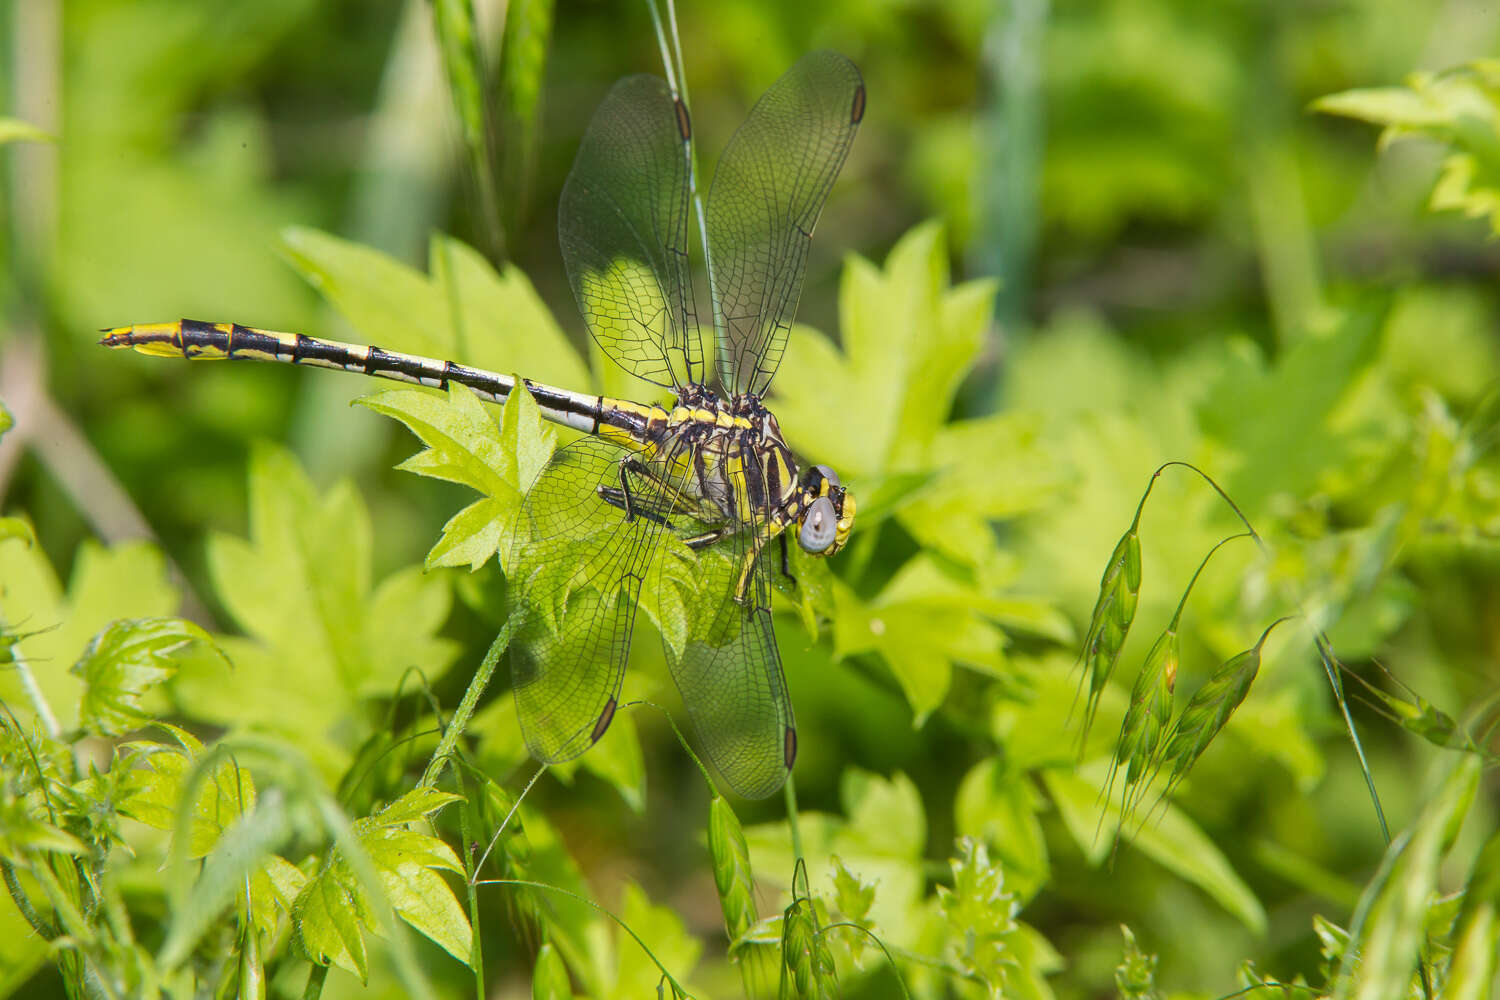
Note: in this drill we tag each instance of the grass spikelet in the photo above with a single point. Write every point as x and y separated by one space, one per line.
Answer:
1210 708
1114 610
798 931
807 969
731 865
1149 712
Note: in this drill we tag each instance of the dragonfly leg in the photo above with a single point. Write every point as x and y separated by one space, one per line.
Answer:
786 566
742 588
623 496
699 542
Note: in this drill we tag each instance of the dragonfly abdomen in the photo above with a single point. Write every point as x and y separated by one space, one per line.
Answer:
198 340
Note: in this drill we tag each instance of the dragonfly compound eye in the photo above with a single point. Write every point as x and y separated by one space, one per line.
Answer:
828 474
819 527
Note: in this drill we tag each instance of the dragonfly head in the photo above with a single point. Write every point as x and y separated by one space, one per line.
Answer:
827 512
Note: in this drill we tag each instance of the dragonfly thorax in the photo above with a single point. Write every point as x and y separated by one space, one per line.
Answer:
742 464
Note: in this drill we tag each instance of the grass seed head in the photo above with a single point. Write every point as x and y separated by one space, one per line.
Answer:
799 932
731 865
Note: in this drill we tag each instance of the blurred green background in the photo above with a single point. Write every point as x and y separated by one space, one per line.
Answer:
1189 264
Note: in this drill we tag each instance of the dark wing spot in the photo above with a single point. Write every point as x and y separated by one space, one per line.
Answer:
605 718
857 112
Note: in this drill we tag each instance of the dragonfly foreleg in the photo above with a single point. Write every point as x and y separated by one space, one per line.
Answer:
699 542
624 496
786 566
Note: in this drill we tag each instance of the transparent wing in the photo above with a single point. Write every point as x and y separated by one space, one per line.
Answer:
729 671
767 193
622 224
577 563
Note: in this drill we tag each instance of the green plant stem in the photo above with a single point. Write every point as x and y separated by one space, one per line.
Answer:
39 923
466 831
790 791
315 979
887 952
460 719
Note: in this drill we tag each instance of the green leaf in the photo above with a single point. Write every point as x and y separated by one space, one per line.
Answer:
1390 921
15 527
153 791
464 446
320 638
923 623
334 908
1459 108
465 311
982 913
879 840
662 931
852 896
127 581
1001 807
549 976
123 663
389 303
1173 841
15 130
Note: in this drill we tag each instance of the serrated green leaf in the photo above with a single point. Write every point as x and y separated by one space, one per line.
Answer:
923 623
127 581
389 303
982 913
465 446
123 663
152 790
1459 108
851 895
320 637
334 909
1001 807
464 311
500 322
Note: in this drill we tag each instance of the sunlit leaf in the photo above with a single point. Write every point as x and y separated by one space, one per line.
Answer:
320 636
465 446
123 663
335 909
154 788
125 582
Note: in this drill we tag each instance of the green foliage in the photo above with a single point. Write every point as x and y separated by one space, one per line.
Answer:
125 661
1459 108
465 447
336 906
1193 269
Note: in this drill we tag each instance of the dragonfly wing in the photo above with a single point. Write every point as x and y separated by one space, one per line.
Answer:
577 564
729 671
623 223
767 193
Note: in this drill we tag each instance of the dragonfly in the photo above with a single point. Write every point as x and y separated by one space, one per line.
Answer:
672 508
